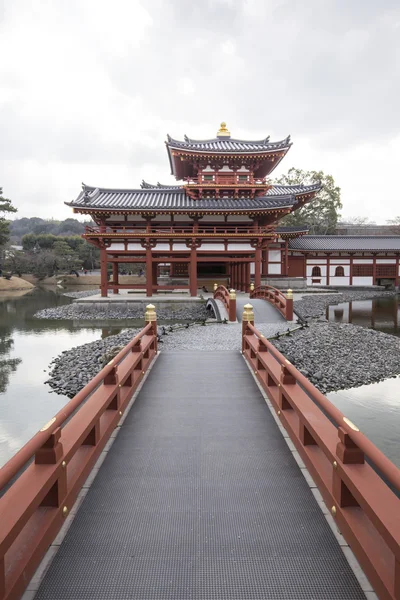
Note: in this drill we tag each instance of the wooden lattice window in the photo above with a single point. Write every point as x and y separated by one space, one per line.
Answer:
316 272
362 270
386 271
339 272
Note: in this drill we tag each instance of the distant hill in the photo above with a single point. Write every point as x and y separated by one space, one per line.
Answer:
20 227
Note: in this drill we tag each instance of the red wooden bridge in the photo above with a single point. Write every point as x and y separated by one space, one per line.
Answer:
210 486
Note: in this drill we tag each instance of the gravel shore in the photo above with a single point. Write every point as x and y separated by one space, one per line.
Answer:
315 305
336 356
333 356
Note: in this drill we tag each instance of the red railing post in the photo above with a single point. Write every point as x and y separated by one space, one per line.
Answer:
247 317
289 305
151 318
232 305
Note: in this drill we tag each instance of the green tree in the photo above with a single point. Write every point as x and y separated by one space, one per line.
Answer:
322 213
5 208
65 258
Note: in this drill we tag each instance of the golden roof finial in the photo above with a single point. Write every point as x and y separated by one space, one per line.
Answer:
223 131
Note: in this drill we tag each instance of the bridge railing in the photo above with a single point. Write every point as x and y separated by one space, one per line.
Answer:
359 484
41 482
228 298
276 297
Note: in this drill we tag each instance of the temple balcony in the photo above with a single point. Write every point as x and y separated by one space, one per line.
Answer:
136 230
226 184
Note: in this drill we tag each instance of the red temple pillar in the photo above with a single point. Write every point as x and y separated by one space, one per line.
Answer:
149 272
115 277
257 267
193 271
246 277
286 258
154 275
328 268
103 272
244 289
374 269
351 270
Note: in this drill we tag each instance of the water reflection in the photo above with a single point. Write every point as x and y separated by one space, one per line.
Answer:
375 409
379 313
7 365
27 346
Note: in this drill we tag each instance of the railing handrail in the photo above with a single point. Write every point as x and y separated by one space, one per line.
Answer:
228 297
109 229
26 453
384 465
358 483
282 302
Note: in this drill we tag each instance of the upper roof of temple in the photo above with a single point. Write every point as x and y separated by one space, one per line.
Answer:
262 156
228 145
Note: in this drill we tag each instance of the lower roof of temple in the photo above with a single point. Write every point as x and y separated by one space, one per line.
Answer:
175 199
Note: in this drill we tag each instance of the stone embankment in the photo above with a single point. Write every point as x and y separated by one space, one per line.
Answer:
83 294
190 311
335 356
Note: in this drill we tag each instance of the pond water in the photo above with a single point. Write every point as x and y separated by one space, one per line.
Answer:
28 345
379 313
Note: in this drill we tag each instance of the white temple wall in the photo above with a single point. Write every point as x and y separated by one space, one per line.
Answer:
274 256
362 281
252 268
240 247
114 247
212 247
274 268
339 281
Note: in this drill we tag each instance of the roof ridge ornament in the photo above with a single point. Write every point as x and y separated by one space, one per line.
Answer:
223 131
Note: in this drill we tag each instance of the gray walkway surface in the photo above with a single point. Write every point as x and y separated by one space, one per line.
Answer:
264 312
199 498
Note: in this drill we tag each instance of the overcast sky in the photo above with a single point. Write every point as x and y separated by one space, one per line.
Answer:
90 88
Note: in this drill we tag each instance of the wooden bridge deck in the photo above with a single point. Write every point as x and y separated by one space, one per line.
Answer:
264 312
199 498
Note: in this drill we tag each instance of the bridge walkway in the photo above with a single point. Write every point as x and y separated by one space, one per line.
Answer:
199 498
264 312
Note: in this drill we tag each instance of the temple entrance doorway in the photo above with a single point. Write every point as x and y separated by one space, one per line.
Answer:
210 273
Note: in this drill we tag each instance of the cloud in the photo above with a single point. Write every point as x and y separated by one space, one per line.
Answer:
89 91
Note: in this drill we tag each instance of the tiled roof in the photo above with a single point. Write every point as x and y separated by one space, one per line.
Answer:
275 190
226 144
151 186
356 243
296 190
159 199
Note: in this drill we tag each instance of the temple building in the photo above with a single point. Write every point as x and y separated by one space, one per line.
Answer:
221 223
